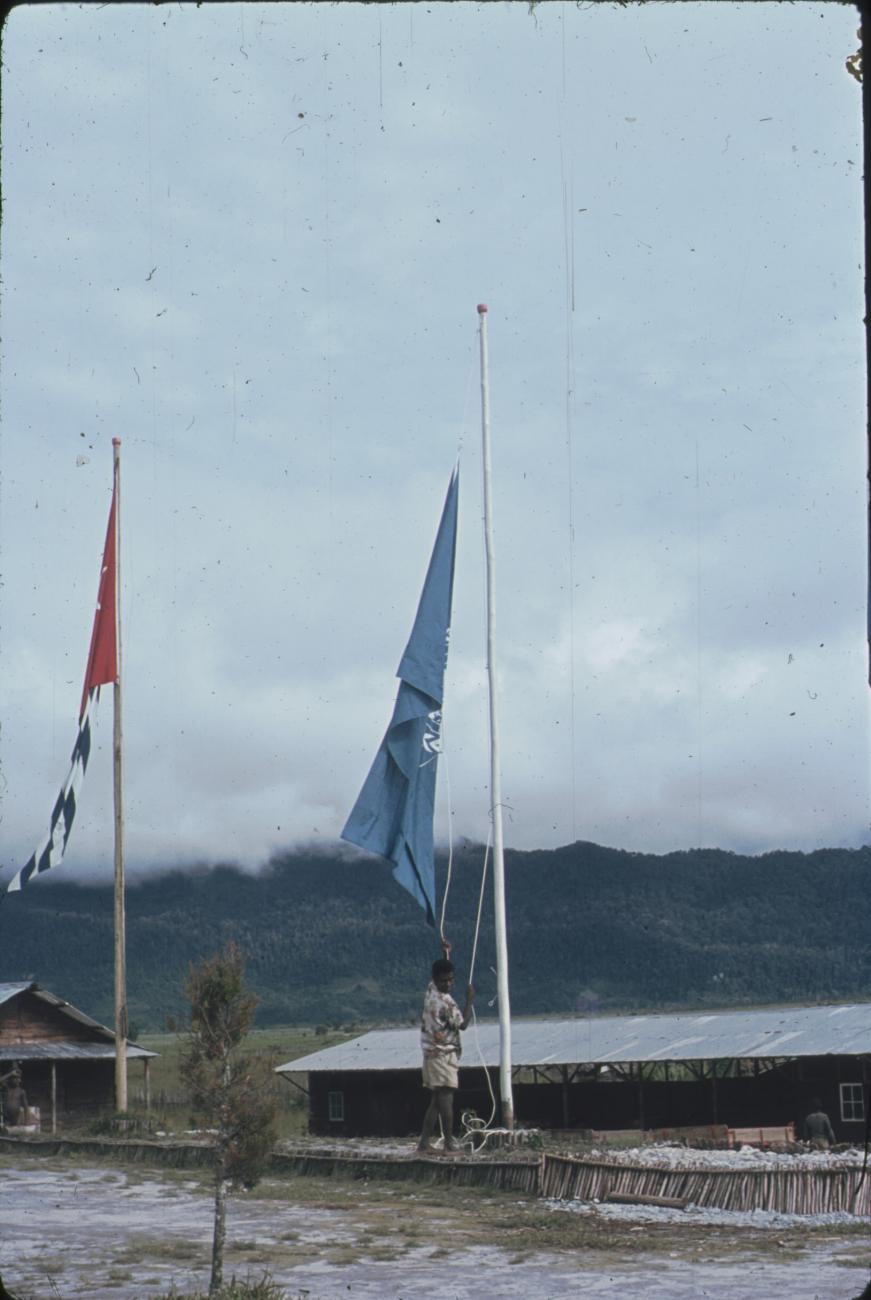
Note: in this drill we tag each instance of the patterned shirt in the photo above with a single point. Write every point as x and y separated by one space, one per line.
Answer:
440 1023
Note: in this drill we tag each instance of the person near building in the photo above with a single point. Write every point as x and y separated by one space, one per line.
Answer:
818 1128
441 1024
14 1099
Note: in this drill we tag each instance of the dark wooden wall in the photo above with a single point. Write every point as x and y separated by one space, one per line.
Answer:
84 1088
392 1102
385 1103
27 1018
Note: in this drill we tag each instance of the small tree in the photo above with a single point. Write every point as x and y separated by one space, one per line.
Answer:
228 1091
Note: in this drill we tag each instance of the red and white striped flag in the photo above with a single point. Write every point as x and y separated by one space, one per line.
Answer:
103 654
102 668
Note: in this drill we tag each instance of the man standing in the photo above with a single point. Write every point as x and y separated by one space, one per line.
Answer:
818 1128
14 1099
440 1027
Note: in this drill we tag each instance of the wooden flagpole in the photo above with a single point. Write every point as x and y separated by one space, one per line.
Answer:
505 1089
120 923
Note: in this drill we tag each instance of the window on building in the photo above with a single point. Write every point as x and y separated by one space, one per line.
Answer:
336 1107
852 1102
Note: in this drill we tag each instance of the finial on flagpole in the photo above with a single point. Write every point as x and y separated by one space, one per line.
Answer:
482 309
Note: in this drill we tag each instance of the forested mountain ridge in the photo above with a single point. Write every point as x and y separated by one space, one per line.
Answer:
331 938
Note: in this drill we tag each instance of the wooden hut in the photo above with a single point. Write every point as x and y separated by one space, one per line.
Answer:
67 1060
653 1073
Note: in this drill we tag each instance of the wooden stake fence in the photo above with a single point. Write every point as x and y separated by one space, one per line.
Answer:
828 1190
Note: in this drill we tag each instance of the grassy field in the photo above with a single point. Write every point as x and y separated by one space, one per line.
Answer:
275 1046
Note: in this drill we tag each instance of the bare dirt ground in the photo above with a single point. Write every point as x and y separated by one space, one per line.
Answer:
71 1229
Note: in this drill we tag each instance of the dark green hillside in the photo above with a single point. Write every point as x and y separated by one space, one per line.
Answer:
331 939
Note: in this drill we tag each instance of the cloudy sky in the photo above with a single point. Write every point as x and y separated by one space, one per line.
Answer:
249 240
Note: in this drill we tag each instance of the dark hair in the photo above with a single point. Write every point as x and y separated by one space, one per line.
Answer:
817 1103
442 967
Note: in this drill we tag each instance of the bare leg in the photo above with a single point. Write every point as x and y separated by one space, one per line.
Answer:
430 1120
445 1101
441 1107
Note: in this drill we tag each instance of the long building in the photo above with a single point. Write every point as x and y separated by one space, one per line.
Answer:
735 1068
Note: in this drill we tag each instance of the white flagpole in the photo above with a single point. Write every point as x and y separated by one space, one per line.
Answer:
505 1090
120 925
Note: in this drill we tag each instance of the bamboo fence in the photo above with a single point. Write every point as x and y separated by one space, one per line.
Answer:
838 1187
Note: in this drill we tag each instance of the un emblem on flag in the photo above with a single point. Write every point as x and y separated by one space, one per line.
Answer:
432 737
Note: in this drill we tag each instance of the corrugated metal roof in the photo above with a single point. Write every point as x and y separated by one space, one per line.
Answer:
8 991
69 1052
688 1036
73 1051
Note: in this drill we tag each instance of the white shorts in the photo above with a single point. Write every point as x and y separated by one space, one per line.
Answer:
440 1070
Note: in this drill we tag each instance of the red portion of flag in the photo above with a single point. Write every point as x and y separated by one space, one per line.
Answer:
103 654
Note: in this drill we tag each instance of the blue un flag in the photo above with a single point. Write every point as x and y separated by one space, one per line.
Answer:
393 815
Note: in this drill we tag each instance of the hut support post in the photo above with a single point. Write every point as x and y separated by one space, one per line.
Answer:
713 1092
641 1097
146 1063
54 1097
565 1095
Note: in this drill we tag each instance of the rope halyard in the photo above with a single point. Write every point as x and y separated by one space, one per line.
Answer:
480 908
446 947
445 942
475 1129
